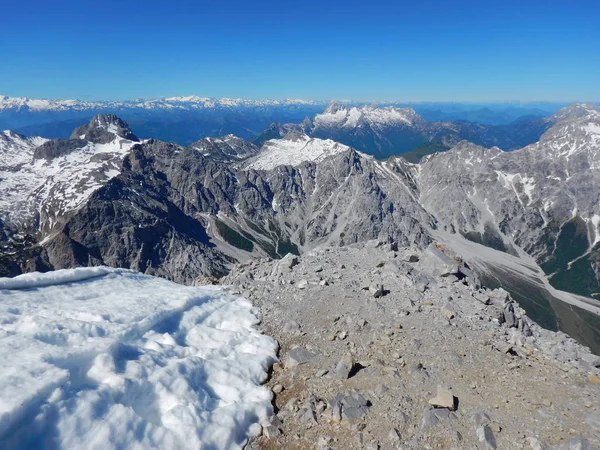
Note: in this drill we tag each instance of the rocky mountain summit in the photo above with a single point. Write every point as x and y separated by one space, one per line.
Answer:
43 181
399 348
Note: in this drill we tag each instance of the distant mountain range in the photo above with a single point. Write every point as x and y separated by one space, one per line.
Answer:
177 119
388 131
184 120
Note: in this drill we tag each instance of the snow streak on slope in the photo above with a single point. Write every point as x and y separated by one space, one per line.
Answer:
293 152
99 358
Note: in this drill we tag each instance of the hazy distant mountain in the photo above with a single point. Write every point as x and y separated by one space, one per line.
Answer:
485 114
388 131
177 119
186 119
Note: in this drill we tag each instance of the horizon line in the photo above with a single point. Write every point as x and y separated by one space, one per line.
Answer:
318 101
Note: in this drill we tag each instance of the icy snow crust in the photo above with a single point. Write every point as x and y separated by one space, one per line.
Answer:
100 358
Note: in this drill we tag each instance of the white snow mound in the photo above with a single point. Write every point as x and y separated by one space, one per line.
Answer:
101 358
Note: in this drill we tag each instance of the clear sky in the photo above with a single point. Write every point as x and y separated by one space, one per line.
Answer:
328 49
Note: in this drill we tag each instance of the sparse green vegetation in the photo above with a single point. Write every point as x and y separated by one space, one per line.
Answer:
233 237
572 242
285 247
427 148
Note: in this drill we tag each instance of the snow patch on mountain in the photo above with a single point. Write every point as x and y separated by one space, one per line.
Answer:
110 358
228 147
576 134
16 149
37 192
293 152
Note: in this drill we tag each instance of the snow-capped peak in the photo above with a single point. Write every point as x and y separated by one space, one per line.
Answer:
333 108
104 128
188 98
41 180
576 110
337 115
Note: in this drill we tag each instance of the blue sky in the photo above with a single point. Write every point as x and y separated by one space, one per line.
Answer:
370 50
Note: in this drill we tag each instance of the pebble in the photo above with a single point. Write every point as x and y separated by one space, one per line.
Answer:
376 290
394 435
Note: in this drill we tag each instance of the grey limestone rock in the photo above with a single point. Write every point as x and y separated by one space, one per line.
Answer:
297 356
376 290
344 366
484 431
103 128
352 406
444 399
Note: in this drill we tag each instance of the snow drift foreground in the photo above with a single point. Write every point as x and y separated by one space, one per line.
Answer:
99 358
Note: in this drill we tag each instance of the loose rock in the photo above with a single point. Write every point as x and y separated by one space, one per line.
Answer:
444 399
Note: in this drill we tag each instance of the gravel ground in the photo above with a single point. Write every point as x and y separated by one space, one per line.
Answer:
394 348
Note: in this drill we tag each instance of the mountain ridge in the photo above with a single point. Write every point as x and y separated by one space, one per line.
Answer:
181 212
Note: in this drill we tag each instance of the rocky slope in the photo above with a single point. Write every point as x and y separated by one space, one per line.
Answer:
160 212
44 181
387 348
185 211
542 198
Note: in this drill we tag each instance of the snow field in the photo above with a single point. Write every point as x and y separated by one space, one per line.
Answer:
100 358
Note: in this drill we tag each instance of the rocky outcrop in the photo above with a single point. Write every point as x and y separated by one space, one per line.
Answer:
229 148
